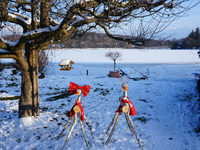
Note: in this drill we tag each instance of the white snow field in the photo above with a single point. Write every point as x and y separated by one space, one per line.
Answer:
167 106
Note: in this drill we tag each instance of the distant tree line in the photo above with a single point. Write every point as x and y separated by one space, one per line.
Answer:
99 40
192 41
92 40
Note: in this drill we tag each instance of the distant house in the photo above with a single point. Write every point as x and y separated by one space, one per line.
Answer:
66 64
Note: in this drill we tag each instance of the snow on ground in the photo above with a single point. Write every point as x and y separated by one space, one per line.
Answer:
129 55
167 106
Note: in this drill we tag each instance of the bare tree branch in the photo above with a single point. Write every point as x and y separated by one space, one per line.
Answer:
8 55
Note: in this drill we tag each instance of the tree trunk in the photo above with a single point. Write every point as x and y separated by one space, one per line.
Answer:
35 83
25 102
29 101
114 65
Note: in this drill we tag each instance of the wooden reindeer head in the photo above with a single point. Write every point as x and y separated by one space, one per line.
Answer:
78 92
124 84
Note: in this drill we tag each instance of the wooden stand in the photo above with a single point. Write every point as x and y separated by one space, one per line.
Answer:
125 110
114 74
76 110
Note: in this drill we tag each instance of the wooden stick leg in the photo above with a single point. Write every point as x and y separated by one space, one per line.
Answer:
116 114
136 135
82 128
89 126
129 123
113 129
65 127
75 119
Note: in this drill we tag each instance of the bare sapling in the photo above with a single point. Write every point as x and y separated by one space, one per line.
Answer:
113 56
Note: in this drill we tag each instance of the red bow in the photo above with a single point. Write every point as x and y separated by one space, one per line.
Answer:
73 87
132 108
72 111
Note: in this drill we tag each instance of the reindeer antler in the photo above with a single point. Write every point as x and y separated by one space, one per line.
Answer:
122 66
130 72
120 80
126 79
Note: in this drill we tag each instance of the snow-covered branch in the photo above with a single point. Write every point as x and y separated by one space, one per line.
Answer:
22 17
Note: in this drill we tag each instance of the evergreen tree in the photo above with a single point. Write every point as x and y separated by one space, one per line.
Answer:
175 45
191 43
184 44
192 35
197 34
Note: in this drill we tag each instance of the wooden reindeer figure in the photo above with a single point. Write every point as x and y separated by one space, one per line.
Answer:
124 107
77 109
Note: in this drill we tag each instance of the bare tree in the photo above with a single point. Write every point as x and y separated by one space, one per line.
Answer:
54 21
113 56
45 62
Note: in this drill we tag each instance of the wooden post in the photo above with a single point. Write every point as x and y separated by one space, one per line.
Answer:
83 131
65 127
113 129
116 114
136 135
67 139
89 126
129 124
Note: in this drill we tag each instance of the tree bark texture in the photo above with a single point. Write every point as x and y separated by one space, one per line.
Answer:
29 101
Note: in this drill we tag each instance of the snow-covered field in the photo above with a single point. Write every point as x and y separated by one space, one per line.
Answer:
129 55
167 106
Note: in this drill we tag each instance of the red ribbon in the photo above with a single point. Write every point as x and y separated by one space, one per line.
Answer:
72 111
132 108
73 87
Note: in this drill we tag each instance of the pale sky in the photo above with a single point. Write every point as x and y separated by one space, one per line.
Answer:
183 26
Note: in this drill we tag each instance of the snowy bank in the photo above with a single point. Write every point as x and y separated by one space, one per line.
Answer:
167 106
